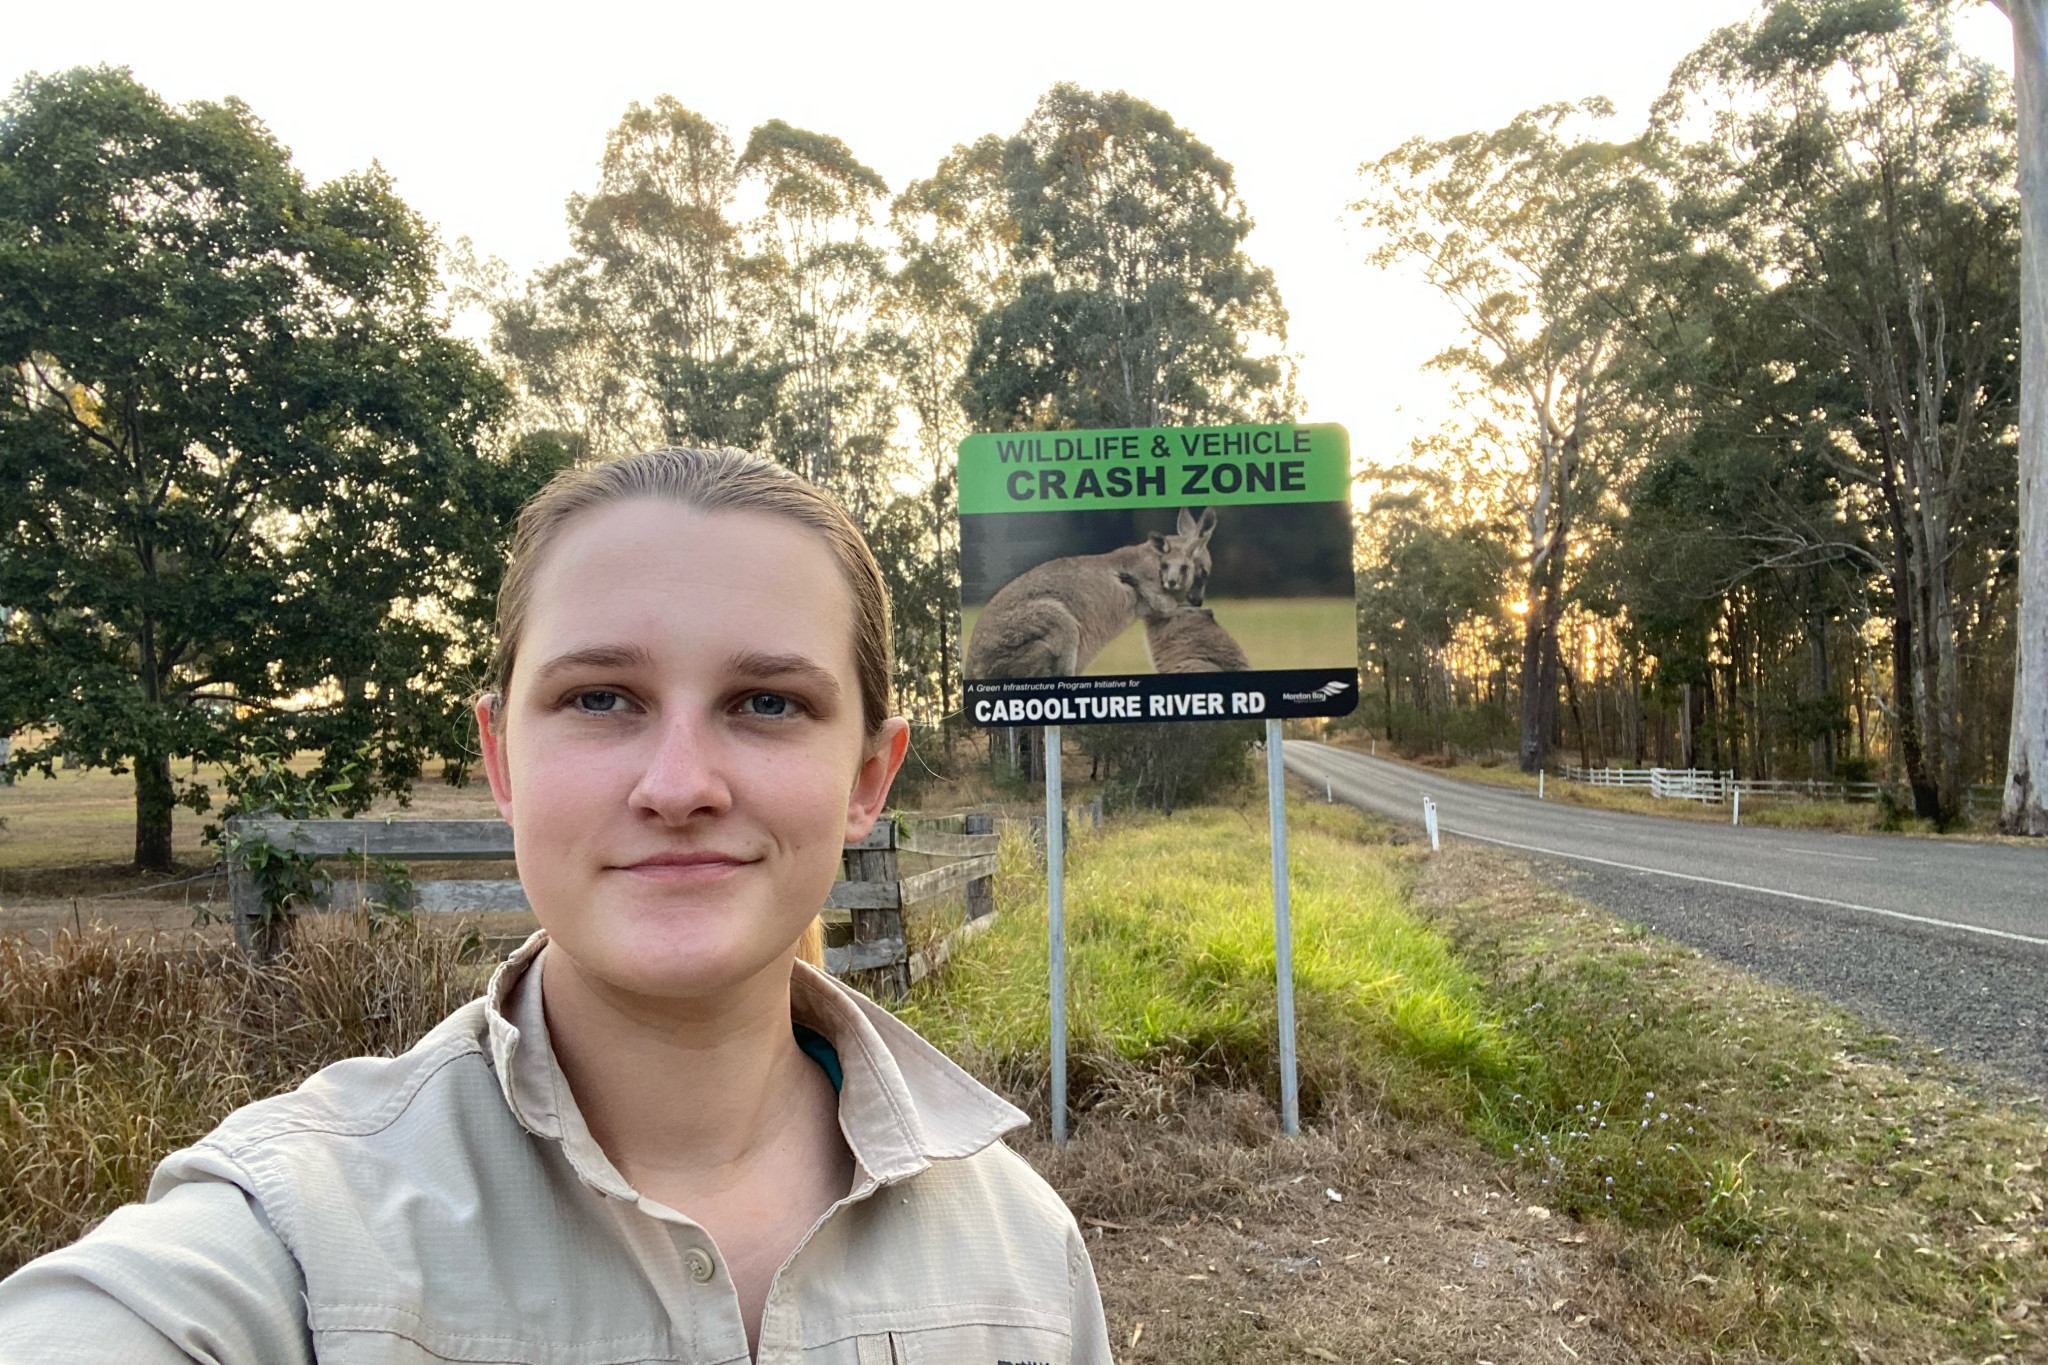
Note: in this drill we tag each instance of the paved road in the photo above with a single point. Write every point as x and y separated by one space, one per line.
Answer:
1946 940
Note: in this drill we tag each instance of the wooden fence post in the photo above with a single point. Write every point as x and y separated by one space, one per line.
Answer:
981 892
877 863
259 937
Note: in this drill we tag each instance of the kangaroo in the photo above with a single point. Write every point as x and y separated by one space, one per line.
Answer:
1185 639
1195 535
1050 621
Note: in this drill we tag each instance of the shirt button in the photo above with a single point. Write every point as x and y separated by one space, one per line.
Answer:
699 1262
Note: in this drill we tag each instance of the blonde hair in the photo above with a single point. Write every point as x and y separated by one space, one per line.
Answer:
708 481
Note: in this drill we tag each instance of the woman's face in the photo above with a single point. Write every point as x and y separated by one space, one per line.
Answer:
681 754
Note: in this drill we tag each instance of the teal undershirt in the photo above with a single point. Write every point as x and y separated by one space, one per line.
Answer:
819 1049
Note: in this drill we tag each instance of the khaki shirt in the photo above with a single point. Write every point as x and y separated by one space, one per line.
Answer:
450 1205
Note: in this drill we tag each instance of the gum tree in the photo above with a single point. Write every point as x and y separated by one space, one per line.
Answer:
1531 234
1863 168
240 479
1134 302
2026 780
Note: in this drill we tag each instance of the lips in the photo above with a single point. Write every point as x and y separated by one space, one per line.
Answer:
701 865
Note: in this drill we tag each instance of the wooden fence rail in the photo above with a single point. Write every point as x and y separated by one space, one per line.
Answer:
874 896
865 911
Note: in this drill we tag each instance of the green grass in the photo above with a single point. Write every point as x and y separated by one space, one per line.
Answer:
1170 961
1274 632
1807 1187
1782 1181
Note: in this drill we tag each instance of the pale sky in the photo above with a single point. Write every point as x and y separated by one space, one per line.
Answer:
490 116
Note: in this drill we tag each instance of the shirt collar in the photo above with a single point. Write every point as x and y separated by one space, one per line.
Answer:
904 1104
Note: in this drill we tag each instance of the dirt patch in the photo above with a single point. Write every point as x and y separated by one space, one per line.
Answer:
40 921
1217 1239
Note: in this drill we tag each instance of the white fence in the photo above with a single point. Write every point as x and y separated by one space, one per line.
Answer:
1684 784
1701 784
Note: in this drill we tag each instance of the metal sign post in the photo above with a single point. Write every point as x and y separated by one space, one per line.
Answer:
1283 930
1056 926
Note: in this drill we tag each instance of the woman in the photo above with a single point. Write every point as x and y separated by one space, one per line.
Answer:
660 1136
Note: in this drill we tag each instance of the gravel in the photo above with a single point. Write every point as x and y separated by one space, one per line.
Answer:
1979 1000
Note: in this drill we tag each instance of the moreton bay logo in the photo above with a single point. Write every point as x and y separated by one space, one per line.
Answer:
1323 693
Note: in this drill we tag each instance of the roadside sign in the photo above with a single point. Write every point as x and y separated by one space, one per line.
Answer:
1171 573
1160 574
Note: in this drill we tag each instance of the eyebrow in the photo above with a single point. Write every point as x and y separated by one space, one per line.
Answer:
596 656
750 664
755 664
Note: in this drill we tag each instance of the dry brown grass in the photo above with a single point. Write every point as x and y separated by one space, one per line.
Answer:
1216 1239
116 1051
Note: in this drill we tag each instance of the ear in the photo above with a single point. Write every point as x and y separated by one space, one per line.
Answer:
1185 524
497 763
871 781
1208 521
1156 540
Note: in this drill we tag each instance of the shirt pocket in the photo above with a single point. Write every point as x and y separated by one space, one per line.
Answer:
971 1344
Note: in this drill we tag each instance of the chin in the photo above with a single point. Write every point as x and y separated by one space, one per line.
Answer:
676 955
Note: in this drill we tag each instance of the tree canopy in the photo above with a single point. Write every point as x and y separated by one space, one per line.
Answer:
1755 371
242 466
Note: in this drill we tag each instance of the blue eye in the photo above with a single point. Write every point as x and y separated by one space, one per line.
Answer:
768 704
598 702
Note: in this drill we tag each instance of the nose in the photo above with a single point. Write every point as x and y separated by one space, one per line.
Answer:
684 776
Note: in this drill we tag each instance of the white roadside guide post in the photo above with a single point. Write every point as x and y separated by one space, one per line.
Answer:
1056 926
1738 805
1283 930
1429 822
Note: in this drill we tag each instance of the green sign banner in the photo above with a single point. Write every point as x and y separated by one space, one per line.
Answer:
1075 471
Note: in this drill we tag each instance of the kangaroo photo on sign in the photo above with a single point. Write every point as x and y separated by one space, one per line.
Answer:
1169 573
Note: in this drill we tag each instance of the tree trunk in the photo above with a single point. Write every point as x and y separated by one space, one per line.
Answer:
1938 678
1535 732
1387 692
1539 663
1685 753
2026 774
1905 726
154 800
1822 760
1571 692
